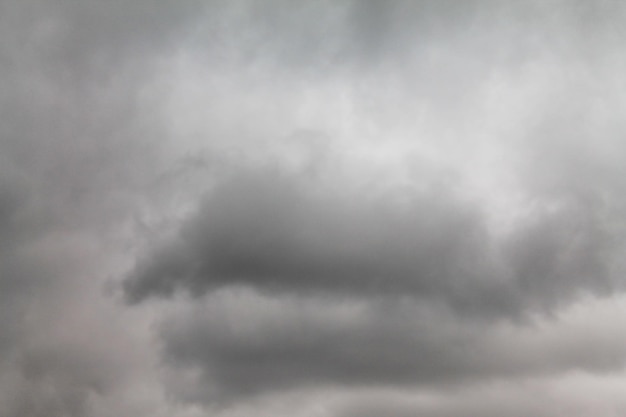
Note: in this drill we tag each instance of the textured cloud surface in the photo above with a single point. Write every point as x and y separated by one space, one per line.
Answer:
329 208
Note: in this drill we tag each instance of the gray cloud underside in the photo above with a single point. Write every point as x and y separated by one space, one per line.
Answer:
244 343
272 232
419 275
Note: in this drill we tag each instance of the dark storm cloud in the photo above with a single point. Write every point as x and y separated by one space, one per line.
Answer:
243 343
422 279
275 233
266 229
247 344
270 231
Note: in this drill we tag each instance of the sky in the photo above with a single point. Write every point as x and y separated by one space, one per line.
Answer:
214 208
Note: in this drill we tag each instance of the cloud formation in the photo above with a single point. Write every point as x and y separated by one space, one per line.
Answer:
287 234
329 208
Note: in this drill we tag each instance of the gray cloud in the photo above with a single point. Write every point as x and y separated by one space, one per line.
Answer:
72 130
574 395
450 279
411 283
306 285
246 343
275 233
243 343
316 258
265 229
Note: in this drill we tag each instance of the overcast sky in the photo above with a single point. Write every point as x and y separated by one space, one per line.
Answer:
324 208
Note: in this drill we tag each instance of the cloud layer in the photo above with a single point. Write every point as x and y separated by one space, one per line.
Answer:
331 208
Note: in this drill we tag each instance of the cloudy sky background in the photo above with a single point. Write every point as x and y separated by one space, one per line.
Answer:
312 209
